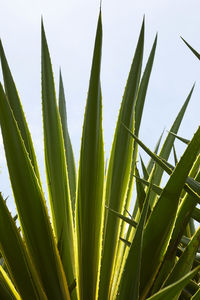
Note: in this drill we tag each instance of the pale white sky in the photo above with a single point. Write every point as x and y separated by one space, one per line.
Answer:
70 29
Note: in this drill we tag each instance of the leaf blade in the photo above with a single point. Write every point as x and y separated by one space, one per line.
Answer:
56 169
171 291
31 206
7 289
165 211
90 200
71 167
117 182
16 106
18 262
129 284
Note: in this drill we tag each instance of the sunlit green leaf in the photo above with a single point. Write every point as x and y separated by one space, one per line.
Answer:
125 219
56 168
118 171
7 289
174 289
90 201
71 168
164 214
138 112
21 269
130 281
31 207
185 262
15 104
167 146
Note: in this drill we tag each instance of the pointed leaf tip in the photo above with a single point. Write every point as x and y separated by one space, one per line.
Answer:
43 31
100 5
100 17
42 22
191 48
156 38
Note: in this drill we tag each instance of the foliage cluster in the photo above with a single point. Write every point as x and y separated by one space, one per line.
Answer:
91 247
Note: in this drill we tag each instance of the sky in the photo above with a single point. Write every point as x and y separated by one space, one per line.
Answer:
70 29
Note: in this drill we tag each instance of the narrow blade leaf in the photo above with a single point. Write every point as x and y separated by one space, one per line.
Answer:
192 49
71 168
90 201
174 289
7 289
169 141
185 262
56 168
130 281
164 214
31 207
119 171
18 112
125 219
16 257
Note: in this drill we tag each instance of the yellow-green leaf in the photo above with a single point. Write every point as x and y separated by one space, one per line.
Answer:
90 200
15 103
118 171
17 260
160 224
31 207
172 290
56 168
71 168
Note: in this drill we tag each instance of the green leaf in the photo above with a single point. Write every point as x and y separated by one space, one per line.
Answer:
7 289
192 186
17 260
185 262
174 289
164 214
127 243
186 240
191 226
141 195
184 214
196 296
143 88
125 219
140 101
151 161
196 214
31 207
71 167
149 169
56 168
175 156
90 201
169 141
130 280
119 171
192 49
192 287
186 209
145 172
15 104
185 141
154 187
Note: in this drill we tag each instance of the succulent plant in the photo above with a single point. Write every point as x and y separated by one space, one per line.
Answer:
90 246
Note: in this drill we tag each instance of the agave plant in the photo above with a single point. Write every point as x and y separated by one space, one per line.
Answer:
91 247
